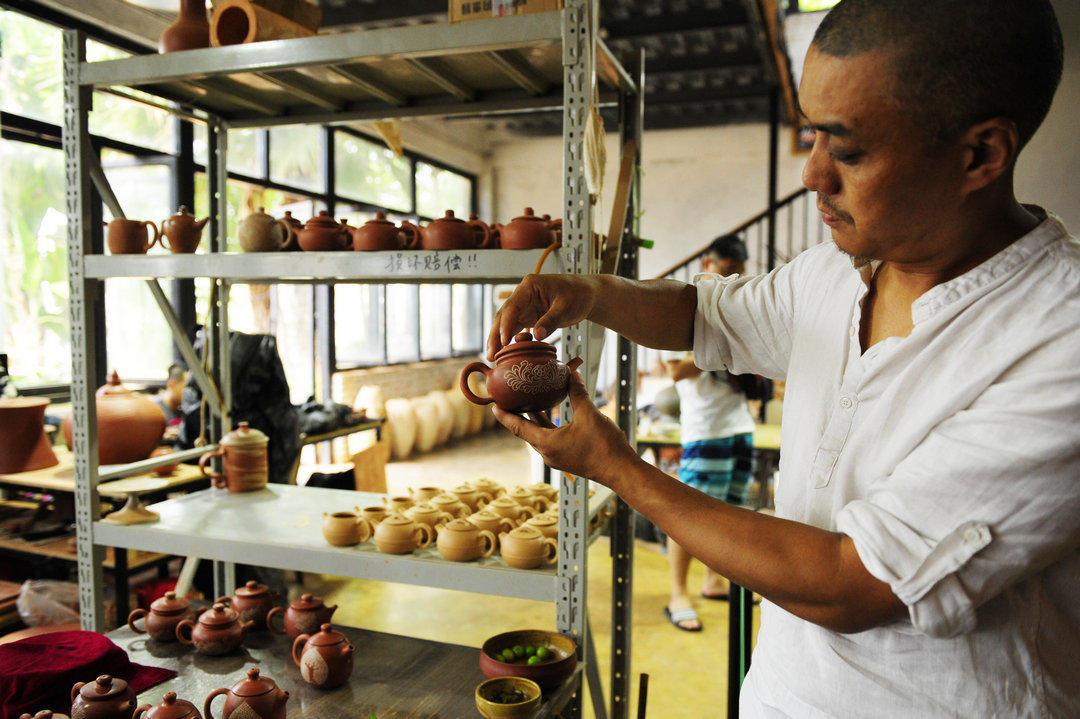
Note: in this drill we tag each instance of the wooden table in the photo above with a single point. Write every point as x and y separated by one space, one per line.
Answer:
393 677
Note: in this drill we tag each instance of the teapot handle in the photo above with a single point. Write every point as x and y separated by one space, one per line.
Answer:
270 620
190 626
131 620
290 242
143 708
298 647
412 235
75 690
487 539
508 523
553 550
483 499
528 511
483 235
366 529
426 535
163 238
464 382
157 234
443 518
216 478
209 700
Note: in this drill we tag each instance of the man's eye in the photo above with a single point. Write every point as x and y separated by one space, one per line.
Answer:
847 158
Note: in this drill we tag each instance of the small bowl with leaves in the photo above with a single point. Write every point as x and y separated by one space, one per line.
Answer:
508 698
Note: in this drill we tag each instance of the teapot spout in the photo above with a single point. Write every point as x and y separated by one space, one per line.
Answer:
282 697
199 224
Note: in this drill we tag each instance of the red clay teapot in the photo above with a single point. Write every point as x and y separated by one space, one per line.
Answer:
181 232
453 233
169 708
380 234
104 698
165 613
254 697
252 602
322 233
304 616
325 659
527 232
218 631
527 377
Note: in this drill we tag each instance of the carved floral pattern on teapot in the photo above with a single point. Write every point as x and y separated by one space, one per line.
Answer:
534 378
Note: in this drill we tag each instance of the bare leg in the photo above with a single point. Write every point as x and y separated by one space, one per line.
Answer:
715 585
680 564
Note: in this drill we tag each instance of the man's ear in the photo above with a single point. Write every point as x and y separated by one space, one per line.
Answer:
990 149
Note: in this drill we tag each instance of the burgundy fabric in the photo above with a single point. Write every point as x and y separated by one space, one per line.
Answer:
38 672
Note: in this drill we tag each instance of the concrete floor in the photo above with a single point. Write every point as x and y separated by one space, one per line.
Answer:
687 671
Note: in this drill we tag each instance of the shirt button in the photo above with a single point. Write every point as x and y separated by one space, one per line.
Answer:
846 402
972 535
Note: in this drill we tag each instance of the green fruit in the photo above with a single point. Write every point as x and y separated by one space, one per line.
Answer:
543 653
507 655
530 649
519 651
534 659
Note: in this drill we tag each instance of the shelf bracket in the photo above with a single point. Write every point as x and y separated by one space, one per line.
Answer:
519 71
363 80
298 86
443 79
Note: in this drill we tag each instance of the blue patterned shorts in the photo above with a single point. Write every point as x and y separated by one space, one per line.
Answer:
721 468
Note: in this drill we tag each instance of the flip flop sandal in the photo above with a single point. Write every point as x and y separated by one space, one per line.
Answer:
686 614
716 597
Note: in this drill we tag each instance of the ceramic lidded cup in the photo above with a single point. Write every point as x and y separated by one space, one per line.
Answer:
487 519
181 232
397 504
374 514
473 498
527 377
325 659
130 237
450 504
218 631
305 615
461 541
165 613
253 697
322 233
244 460
508 508
427 513
344 529
381 234
526 547
169 708
104 698
252 602
397 534
260 232
526 232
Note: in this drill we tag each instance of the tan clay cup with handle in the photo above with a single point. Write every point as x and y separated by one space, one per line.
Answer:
462 541
427 513
526 548
130 237
325 658
508 508
254 697
397 534
473 498
397 504
169 708
374 514
305 615
244 460
344 529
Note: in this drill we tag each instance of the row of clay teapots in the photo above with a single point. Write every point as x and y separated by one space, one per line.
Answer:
527 377
218 631
165 614
253 697
130 425
325 658
304 615
105 698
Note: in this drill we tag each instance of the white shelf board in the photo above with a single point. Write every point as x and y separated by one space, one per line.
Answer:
383 267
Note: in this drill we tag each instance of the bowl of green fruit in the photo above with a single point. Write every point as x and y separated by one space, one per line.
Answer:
546 658
507 698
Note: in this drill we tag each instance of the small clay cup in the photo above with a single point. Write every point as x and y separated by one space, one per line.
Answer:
130 237
344 529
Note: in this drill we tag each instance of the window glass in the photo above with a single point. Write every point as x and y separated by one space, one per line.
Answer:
371 173
468 321
34 324
434 321
30 71
245 152
402 331
126 120
440 190
814 5
295 330
296 156
358 325
142 189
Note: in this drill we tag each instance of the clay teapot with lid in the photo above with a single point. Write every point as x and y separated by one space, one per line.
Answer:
397 504
252 602
547 524
525 498
526 547
244 460
490 486
450 504
43 714
105 698
427 513
130 425
541 489
397 534
492 522
472 497
424 494
380 234
304 616
165 613
169 708
453 233
526 232
527 377
217 631
322 233
260 232
253 697
181 232
325 659
461 541
508 508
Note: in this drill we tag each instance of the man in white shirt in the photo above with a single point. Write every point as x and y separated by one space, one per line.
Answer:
925 556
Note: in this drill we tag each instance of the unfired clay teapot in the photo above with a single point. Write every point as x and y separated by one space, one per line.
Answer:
491 487
471 497
130 425
527 499
526 547
450 504
381 234
397 504
541 489
304 616
508 508
104 698
169 708
374 514
325 659
165 613
427 513
344 529
253 697
130 237
218 631
548 525
252 602
181 232
424 494
527 232
321 233
398 534
461 541
244 460
453 233
527 377
260 232
487 519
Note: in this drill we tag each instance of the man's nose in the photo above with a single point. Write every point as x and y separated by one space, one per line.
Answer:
818 173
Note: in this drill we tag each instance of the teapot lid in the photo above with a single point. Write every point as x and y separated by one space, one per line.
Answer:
103 688
169 604
114 386
526 531
253 684
502 501
323 219
172 708
244 436
524 342
395 518
326 636
464 487
545 520
306 603
520 492
252 588
458 525
380 219
424 507
218 615
529 216
449 217
183 211
444 498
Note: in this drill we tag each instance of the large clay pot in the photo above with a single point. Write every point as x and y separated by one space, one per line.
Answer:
23 444
527 377
398 534
527 232
462 541
243 453
325 659
322 233
427 513
190 31
252 602
104 698
253 697
130 237
344 529
453 233
169 708
304 616
526 547
130 425
260 232
381 234
181 232
508 508
165 613
218 631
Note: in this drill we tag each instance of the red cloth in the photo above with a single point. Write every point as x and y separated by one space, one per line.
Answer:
38 672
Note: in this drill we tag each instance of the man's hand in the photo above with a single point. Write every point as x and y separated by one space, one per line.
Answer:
590 446
545 303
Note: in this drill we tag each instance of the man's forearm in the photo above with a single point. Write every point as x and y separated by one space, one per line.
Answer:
653 313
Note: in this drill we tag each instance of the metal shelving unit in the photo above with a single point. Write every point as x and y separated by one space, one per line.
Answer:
504 65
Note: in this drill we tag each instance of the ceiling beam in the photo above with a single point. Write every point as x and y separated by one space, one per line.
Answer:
300 86
360 77
432 70
511 65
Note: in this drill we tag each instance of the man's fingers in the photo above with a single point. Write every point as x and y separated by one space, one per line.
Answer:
579 394
520 426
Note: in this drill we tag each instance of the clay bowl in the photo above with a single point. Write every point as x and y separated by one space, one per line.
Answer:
488 690
549 675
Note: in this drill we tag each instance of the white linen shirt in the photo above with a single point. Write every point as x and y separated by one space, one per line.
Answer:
951 457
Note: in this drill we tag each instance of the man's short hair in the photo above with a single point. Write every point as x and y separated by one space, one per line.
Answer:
177 372
728 247
959 62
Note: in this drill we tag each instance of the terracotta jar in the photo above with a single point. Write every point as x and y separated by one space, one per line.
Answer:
471 497
548 525
325 659
252 602
450 504
243 453
182 231
218 631
397 504
462 541
169 708
260 232
508 508
23 443
380 235
527 499
527 232
165 613
527 377
130 425
344 529
398 534
104 698
253 697
374 514
453 233
130 237
427 513
490 521
321 233
491 487
43 714
190 31
526 547
424 494
304 616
